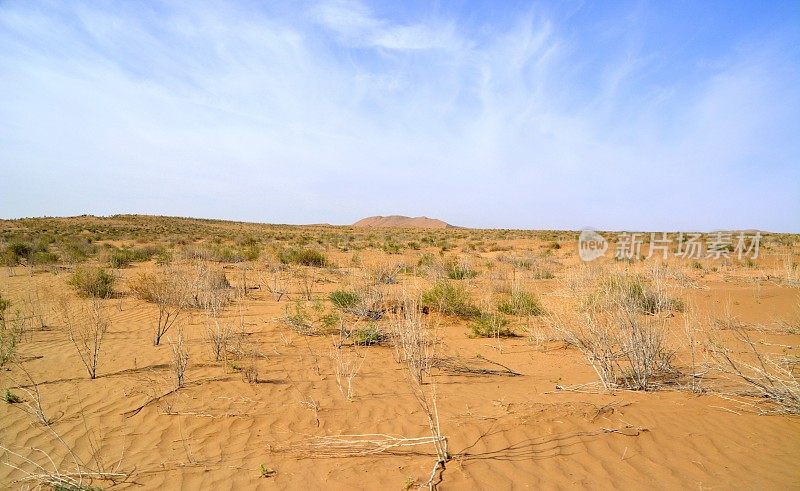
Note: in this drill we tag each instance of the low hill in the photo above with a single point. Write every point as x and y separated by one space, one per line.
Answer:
398 221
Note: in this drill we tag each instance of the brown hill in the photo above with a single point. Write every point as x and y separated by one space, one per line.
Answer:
398 221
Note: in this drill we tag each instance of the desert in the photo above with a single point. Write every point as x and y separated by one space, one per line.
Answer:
344 358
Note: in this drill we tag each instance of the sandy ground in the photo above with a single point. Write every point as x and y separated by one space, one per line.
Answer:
219 431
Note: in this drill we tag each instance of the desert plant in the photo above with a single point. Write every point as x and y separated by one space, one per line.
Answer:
11 330
169 293
306 257
368 303
343 299
488 325
450 299
369 335
276 283
11 398
346 367
92 282
76 475
521 303
415 347
35 307
180 358
767 378
4 306
217 334
32 404
460 270
86 326
250 370
643 295
314 321
625 350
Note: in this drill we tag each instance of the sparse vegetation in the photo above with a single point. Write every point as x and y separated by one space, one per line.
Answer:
319 339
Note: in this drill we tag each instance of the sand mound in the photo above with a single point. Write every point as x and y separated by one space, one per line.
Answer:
399 221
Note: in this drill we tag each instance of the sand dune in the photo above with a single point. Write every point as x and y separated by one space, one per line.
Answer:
399 221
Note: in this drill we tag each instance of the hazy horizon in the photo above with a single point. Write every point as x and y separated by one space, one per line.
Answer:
649 116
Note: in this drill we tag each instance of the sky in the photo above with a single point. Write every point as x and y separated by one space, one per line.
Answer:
661 116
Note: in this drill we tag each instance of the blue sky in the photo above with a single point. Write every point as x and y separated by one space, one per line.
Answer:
614 115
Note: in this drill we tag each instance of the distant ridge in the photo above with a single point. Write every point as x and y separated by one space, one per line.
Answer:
399 221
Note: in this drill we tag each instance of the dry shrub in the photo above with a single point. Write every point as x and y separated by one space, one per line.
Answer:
61 469
618 330
86 325
180 358
208 287
346 363
626 349
174 290
277 282
217 334
773 381
11 330
168 292
415 347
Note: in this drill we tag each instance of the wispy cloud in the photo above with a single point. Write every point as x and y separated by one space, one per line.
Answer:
338 109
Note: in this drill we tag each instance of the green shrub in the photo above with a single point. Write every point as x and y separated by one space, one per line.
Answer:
45 257
460 271
369 335
31 253
251 252
20 250
163 257
521 303
490 326
77 249
636 292
391 247
92 282
119 259
450 299
11 398
343 299
306 257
